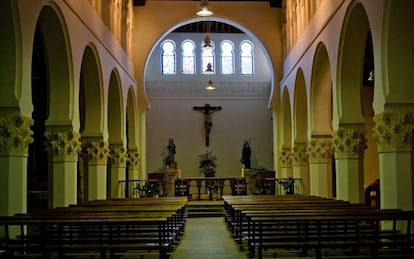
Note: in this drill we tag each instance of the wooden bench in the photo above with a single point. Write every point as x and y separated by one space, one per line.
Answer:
310 223
96 228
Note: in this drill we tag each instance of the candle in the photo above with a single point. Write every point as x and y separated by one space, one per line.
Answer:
242 172
179 173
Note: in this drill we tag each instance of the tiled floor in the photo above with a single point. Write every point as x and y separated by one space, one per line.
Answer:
207 238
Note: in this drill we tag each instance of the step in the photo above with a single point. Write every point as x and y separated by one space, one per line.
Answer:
205 209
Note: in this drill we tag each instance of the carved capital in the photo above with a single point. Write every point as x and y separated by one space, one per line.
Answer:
299 154
286 157
133 159
118 156
319 149
96 152
394 130
349 142
15 134
63 146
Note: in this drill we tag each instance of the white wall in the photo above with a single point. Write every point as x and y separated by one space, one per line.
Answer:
244 115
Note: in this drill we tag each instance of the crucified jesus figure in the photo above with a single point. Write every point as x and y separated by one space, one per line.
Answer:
208 121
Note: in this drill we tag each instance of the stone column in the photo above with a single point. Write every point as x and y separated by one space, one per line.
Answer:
118 158
349 144
15 137
300 165
320 166
393 132
64 148
96 153
133 164
286 162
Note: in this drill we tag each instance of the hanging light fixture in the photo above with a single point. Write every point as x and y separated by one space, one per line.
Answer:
210 85
210 71
204 9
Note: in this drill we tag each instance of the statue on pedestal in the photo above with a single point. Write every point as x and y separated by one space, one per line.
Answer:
169 160
246 152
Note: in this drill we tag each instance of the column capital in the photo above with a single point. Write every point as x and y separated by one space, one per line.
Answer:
118 156
96 152
349 142
15 134
300 155
63 146
286 156
319 149
133 159
394 131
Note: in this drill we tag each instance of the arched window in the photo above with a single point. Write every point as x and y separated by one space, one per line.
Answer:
168 57
207 56
188 57
227 58
246 58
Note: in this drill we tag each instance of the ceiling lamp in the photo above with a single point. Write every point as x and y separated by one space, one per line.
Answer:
209 68
204 9
210 85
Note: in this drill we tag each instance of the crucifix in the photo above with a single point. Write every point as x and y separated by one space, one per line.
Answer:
208 121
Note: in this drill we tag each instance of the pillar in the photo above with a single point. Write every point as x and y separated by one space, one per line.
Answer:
118 158
300 166
96 153
393 132
349 143
15 137
286 162
64 148
320 166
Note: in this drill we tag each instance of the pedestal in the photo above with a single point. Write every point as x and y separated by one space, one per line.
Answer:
250 181
170 177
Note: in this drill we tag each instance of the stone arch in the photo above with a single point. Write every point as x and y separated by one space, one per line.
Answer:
131 118
321 94
115 110
9 95
285 155
52 98
394 73
59 65
91 94
300 110
350 77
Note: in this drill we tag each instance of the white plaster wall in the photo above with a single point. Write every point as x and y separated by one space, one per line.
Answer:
244 114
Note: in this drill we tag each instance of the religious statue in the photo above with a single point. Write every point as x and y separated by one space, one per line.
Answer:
246 152
169 160
208 120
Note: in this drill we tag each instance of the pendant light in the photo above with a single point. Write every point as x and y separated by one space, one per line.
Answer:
204 9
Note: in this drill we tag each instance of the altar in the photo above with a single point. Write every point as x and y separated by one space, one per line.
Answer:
206 186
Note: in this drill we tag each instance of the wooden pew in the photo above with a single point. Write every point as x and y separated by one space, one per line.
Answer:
97 228
279 222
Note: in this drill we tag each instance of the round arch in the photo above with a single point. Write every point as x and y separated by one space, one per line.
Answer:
286 119
222 20
131 119
9 52
300 111
115 110
56 44
351 54
91 94
321 94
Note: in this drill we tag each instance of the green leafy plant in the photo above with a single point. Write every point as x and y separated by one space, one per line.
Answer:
148 189
207 161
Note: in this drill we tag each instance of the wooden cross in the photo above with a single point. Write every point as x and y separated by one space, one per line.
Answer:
208 121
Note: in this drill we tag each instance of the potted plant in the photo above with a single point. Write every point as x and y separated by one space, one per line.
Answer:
207 163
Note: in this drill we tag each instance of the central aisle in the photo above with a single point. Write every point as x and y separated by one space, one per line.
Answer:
207 238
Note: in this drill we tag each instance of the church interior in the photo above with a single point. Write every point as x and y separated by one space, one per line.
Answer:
256 104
